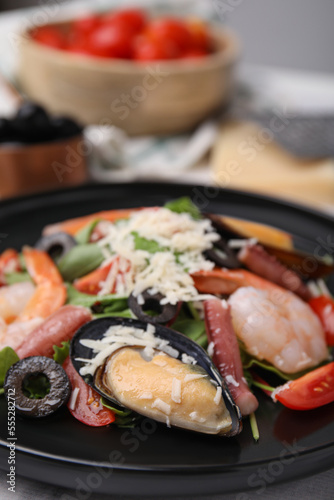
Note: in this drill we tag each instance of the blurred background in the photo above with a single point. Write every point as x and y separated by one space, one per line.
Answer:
297 35
256 112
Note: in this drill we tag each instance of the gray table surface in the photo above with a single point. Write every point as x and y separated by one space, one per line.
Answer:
317 487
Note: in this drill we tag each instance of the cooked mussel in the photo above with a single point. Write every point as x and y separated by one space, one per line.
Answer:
276 242
156 372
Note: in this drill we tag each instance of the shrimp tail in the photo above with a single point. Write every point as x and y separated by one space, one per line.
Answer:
226 354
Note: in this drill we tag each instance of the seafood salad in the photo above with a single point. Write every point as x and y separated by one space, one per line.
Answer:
167 313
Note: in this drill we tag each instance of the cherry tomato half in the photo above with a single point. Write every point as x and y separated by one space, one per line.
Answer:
324 308
314 389
87 407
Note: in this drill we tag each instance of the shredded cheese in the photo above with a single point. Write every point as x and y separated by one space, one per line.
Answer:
176 390
180 242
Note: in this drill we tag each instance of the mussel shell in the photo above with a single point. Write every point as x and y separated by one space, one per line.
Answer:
293 257
96 329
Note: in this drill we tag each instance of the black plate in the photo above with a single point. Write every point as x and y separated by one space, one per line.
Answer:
152 459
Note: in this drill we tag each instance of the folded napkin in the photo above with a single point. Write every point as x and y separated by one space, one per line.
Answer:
246 156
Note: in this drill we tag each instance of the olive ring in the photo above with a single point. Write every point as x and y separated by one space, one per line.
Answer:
164 312
60 386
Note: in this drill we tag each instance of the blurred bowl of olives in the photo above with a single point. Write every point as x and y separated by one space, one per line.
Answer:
39 151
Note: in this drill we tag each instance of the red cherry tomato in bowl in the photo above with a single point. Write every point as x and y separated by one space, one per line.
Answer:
148 49
111 41
173 30
50 36
133 20
200 38
323 307
86 25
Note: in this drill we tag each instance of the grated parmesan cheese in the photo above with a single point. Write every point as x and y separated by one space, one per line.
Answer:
146 395
218 395
192 376
162 406
188 360
176 390
177 235
73 399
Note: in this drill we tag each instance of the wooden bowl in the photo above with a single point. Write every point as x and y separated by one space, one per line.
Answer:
37 167
154 98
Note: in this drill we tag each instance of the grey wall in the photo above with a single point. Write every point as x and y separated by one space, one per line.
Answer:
291 33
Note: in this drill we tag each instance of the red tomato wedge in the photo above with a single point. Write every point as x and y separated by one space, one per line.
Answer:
85 403
310 391
92 283
324 308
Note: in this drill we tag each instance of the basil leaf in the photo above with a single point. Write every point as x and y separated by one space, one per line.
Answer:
7 358
127 313
83 236
184 205
80 260
249 362
150 246
124 418
17 277
192 328
61 353
76 298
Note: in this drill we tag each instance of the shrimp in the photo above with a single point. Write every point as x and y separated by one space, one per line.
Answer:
13 300
24 306
278 327
273 323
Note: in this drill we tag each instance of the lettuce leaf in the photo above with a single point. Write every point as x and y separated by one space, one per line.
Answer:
61 353
80 260
106 305
17 277
83 236
150 246
7 358
184 205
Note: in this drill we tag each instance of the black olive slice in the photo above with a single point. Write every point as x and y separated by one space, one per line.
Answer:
152 303
222 255
32 367
56 245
